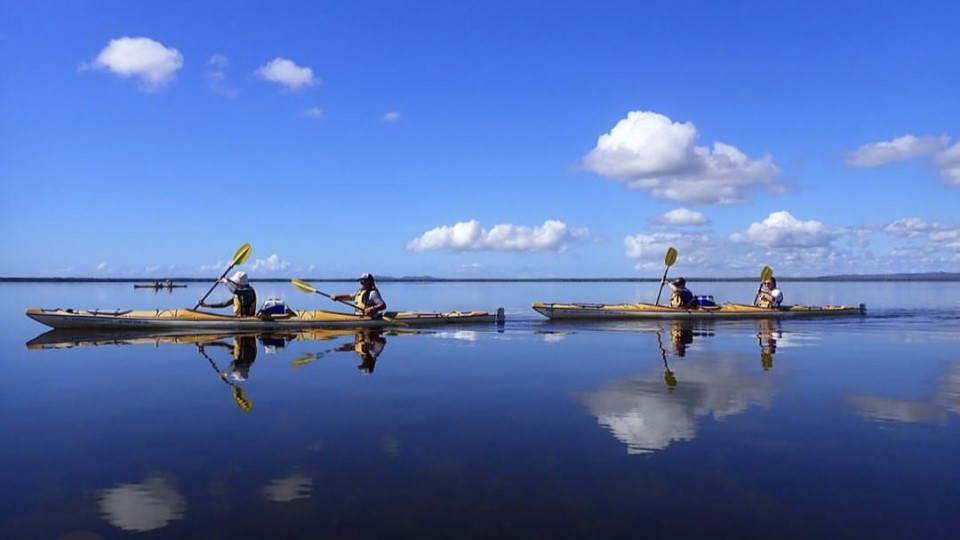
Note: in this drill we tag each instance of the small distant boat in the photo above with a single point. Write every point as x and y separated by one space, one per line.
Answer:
723 311
158 285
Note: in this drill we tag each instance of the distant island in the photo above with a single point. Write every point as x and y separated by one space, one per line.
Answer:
924 276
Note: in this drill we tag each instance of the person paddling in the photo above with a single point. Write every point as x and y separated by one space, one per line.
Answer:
244 299
368 300
772 296
681 296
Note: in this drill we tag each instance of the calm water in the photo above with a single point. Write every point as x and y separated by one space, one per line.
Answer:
843 428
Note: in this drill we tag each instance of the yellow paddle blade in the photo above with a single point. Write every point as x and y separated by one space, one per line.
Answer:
241 255
671 257
395 322
302 285
766 273
303 360
245 404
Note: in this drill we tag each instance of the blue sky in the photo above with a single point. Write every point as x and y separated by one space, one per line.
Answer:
480 139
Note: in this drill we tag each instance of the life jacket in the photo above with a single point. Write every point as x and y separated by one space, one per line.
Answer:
765 303
245 302
682 298
360 300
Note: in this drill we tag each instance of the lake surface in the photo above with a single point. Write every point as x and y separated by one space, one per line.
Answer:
823 428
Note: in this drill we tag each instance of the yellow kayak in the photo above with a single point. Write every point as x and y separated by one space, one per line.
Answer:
203 320
723 311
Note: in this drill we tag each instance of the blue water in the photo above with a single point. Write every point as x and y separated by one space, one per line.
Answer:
835 428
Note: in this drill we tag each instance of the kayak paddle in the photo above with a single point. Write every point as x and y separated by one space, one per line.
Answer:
765 274
670 258
306 287
239 257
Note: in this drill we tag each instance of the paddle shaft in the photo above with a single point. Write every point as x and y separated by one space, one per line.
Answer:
215 283
664 279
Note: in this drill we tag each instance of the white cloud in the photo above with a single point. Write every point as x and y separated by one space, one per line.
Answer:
216 75
552 236
287 73
681 216
949 239
899 149
649 151
908 227
948 162
781 230
314 112
271 263
154 64
103 265
650 249
391 117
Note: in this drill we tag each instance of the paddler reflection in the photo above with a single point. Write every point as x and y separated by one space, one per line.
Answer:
681 335
368 344
244 354
768 331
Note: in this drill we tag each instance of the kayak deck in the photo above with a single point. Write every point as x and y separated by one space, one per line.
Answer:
190 318
723 311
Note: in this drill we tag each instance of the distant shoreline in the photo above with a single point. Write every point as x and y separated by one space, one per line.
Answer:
934 276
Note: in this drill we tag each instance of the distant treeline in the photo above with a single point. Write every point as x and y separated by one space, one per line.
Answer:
929 276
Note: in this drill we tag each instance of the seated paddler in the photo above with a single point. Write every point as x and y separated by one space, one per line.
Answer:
681 296
244 299
367 299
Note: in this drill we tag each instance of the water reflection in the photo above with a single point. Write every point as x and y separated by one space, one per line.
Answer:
934 410
768 332
290 488
648 413
144 506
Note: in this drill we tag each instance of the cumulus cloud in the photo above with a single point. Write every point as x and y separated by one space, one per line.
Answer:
649 151
391 117
680 217
948 162
314 112
148 60
216 76
781 229
908 227
650 249
103 265
949 238
899 149
271 263
287 73
552 236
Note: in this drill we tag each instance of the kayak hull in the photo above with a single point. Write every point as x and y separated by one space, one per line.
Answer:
723 311
202 320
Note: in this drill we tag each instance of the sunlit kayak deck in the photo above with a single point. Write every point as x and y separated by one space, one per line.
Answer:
723 311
